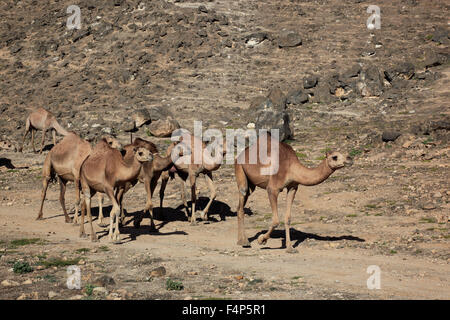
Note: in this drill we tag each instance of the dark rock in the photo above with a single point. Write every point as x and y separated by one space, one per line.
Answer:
370 82
310 82
163 128
297 97
255 38
440 35
390 136
323 93
104 281
289 39
273 119
158 272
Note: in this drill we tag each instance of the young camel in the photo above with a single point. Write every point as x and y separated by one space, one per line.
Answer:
104 171
44 120
185 168
149 175
290 174
64 160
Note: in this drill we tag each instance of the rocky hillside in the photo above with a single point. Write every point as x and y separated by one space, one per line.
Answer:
213 60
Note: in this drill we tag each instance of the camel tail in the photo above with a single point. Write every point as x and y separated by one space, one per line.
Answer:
47 170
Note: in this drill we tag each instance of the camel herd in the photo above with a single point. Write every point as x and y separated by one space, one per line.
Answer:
108 168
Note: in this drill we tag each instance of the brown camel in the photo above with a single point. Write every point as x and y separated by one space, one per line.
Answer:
290 174
185 168
149 175
44 120
104 171
65 160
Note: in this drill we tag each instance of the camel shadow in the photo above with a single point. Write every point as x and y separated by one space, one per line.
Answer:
298 237
132 232
5 162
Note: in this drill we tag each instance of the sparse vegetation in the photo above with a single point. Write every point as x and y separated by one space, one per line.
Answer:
174 285
22 267
58 262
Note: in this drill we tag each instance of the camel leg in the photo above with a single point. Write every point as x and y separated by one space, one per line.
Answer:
87 199
32 140
77 201
114 233
27 131
243 196
62 200
162 189
273 198
101 218
287 219
212 195
183 196
54 137
192 179
44 131
149 206
82 234
45 181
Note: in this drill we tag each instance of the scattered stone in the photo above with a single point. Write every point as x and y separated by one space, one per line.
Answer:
9 283
104 281
52 294
310 82
289 39
76 297
158 272
390 136
163 128
28 281
100 291
428 206
141 117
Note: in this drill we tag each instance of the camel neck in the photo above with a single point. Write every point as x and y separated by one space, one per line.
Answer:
312 176
130 170
161 163
60 129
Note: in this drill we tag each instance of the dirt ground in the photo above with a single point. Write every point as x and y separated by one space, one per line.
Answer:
390 209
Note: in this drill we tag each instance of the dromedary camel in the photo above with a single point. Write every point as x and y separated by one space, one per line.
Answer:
290 174
149 175
64 161
185 169
104 171
44 120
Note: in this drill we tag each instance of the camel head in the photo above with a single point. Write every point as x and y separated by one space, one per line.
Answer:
336 160
112 142
142 154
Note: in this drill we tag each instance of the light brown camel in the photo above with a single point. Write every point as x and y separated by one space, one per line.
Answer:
64 160
44 120
149 175
104 171
185 169
290 174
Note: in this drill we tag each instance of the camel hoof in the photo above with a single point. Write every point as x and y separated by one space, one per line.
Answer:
69 220
75 223
95 240
291 250
83 235
262 240
39 218
194 223
243 243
